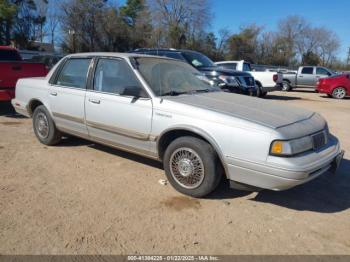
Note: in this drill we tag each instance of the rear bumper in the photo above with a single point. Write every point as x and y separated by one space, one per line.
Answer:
277 177
20 108
324 90
7 94
276 87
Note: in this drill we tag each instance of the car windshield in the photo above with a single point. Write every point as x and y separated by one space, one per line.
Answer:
198 60
170 77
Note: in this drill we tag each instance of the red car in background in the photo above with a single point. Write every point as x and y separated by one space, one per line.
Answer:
12 67
336 86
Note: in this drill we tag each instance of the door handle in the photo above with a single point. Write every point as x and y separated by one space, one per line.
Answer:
300 76
53 93
94 101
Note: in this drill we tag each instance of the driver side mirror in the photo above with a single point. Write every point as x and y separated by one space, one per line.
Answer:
135 91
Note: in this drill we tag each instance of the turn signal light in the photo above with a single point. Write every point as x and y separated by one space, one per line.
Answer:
277 147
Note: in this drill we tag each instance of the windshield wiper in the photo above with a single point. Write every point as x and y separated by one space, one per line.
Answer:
202 91
173 93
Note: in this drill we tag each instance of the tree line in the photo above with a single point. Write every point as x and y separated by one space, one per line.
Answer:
102 25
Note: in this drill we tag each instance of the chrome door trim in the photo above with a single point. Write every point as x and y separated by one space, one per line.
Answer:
119 131
68 117
145 153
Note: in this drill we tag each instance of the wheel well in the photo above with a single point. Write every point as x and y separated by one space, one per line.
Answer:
286 80
33 105
258 83
165 140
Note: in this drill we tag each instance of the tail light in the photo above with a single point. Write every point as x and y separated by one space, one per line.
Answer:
275 78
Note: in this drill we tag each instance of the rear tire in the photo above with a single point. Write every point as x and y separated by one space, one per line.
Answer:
263 94
286 86
44 127
259 90
191 166
339 93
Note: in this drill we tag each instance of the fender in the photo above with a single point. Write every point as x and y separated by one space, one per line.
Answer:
200 132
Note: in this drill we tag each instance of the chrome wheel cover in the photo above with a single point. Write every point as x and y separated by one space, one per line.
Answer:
339 92
42 125
186 168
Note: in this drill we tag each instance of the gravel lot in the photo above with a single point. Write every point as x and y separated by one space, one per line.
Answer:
82 198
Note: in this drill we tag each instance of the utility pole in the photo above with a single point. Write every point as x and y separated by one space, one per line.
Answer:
348 60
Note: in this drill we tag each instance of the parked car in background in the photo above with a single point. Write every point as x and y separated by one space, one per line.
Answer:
265 81
48 60
306 76
12 67
337 86
166 113
228 80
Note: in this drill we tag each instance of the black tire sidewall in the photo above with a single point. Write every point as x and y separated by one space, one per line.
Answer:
54 134
209 158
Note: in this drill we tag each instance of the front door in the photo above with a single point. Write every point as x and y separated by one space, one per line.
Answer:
67 96
112 115
306 78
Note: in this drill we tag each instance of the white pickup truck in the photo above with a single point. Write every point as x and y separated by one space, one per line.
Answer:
265 81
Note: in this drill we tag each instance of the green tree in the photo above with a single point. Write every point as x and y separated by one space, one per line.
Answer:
7 15
244 45
310 58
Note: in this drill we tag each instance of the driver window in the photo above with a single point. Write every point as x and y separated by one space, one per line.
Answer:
114 76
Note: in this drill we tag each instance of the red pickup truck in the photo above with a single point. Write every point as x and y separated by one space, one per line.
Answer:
12 67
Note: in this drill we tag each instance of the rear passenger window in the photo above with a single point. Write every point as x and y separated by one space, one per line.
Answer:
307 70
113 76
74 73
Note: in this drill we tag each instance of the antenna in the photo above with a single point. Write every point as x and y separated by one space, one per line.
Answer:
348 60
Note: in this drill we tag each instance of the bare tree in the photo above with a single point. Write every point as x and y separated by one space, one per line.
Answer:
180 20
53 20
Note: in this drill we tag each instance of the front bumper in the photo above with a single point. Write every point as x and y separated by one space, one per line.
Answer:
281 177
251 91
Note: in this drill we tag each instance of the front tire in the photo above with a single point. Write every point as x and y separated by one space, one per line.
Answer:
339 93
191 166
44 127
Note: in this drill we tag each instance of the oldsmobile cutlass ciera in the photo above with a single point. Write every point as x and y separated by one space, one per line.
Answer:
163 109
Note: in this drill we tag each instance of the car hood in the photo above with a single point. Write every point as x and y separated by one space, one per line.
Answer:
221 71
260 111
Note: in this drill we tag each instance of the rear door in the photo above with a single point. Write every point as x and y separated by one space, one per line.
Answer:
67 95
114 117
306 77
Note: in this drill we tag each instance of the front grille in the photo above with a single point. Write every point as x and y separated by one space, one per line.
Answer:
319 140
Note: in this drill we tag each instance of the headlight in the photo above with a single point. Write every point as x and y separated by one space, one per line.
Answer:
231 80
205 79
291 147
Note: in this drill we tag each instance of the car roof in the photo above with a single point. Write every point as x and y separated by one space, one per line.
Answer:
165 49
119 55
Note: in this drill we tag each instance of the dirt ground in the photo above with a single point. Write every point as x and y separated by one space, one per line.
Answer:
82 198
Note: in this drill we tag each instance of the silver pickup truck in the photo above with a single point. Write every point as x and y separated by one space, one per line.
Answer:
306 76
159 108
